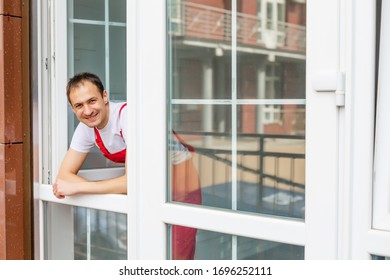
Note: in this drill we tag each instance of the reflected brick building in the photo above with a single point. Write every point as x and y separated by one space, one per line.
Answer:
270 40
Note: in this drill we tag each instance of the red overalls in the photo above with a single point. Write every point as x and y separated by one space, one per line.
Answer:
183 238
186 189
119 157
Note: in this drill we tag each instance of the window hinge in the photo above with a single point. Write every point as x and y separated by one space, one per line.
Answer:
331 82
49 177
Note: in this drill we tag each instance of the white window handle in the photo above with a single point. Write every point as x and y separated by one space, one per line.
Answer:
331 82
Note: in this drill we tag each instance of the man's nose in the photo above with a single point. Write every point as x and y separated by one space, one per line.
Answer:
87 110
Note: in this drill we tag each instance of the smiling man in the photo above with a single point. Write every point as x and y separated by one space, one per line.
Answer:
102 123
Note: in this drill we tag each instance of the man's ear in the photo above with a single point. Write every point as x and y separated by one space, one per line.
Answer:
105 96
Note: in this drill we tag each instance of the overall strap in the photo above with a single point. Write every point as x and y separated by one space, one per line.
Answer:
100 143
181 140
120 111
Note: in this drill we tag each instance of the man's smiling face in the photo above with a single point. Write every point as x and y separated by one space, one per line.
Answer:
88 104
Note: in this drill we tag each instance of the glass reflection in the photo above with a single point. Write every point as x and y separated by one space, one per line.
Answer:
117 63
185 188
250 123
254 249
379 258
271 160
88 49
97 43
87 9
209 245
117 10
208 155
270 167
199 70
99 235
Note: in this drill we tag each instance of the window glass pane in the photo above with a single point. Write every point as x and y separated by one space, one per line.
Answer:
88 9
117 63
89 50
243 147
92 49
382 258
200 159
281 12
117 10
269 15
270 166
190 243
99 235
254 249
271 128
199 46
259 8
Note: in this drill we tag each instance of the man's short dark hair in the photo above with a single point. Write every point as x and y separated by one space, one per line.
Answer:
78 79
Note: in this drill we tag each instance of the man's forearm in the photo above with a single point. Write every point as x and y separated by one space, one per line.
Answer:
70 177
116 185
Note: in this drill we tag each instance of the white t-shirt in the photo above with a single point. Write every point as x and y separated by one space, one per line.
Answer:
179 153
84 137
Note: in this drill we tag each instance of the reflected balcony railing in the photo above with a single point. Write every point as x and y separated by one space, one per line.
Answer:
204 22
268 166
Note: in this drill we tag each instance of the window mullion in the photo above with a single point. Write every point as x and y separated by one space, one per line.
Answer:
234 119
107 44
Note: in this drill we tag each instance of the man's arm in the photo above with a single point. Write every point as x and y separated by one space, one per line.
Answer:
69 183
71 165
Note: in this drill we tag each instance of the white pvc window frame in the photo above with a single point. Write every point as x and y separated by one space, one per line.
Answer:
329 229
358 235
380 232
338 222
53 143
381 218
344 230
149 210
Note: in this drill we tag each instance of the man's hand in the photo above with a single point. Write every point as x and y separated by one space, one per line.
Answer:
62 188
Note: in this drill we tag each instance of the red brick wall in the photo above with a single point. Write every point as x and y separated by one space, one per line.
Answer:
12 137
248 7
296 13
211 3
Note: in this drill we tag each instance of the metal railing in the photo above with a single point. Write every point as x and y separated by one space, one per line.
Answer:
265 166
262 153
209 23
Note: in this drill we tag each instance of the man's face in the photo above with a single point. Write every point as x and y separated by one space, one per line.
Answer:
88 105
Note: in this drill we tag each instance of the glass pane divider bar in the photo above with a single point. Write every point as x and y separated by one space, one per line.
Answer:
260 227
234 118
239 101
245 49
88 224
97 22
107 45
107 202
234 104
